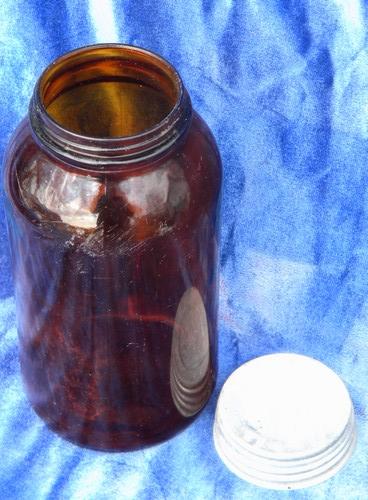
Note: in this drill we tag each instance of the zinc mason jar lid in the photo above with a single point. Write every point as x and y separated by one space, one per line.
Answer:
284 421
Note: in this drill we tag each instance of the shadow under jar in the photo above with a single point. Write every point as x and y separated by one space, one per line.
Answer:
113 186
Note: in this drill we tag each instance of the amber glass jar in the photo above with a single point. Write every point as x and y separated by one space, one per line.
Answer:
113 185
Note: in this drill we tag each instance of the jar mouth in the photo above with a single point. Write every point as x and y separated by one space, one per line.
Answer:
109 103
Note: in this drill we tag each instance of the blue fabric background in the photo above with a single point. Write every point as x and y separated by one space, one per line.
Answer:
284 87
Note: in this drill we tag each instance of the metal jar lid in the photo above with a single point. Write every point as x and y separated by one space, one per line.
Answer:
284 421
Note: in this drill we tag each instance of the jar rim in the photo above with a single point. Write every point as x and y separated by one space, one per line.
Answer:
83 148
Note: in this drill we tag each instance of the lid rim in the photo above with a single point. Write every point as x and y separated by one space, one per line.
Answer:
319 462
288 457
288 481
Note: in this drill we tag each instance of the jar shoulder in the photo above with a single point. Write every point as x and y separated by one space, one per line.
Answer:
203 145
139 204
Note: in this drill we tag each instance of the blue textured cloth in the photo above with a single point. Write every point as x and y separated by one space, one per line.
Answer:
284 87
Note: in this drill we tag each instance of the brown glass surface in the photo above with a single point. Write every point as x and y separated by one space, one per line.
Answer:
109 267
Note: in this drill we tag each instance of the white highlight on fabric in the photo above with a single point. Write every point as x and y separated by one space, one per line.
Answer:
274 285
102 15
351 12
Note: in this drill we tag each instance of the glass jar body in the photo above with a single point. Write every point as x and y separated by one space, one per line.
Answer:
116 289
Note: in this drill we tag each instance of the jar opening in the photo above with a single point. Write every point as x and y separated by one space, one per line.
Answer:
109 103
109 92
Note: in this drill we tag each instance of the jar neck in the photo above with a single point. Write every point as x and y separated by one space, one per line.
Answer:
107 63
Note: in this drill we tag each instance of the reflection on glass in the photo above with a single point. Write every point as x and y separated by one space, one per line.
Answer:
70 197
190 355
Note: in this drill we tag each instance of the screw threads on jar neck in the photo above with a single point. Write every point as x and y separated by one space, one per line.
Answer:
107 105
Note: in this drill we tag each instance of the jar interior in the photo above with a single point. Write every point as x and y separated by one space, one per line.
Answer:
114 92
